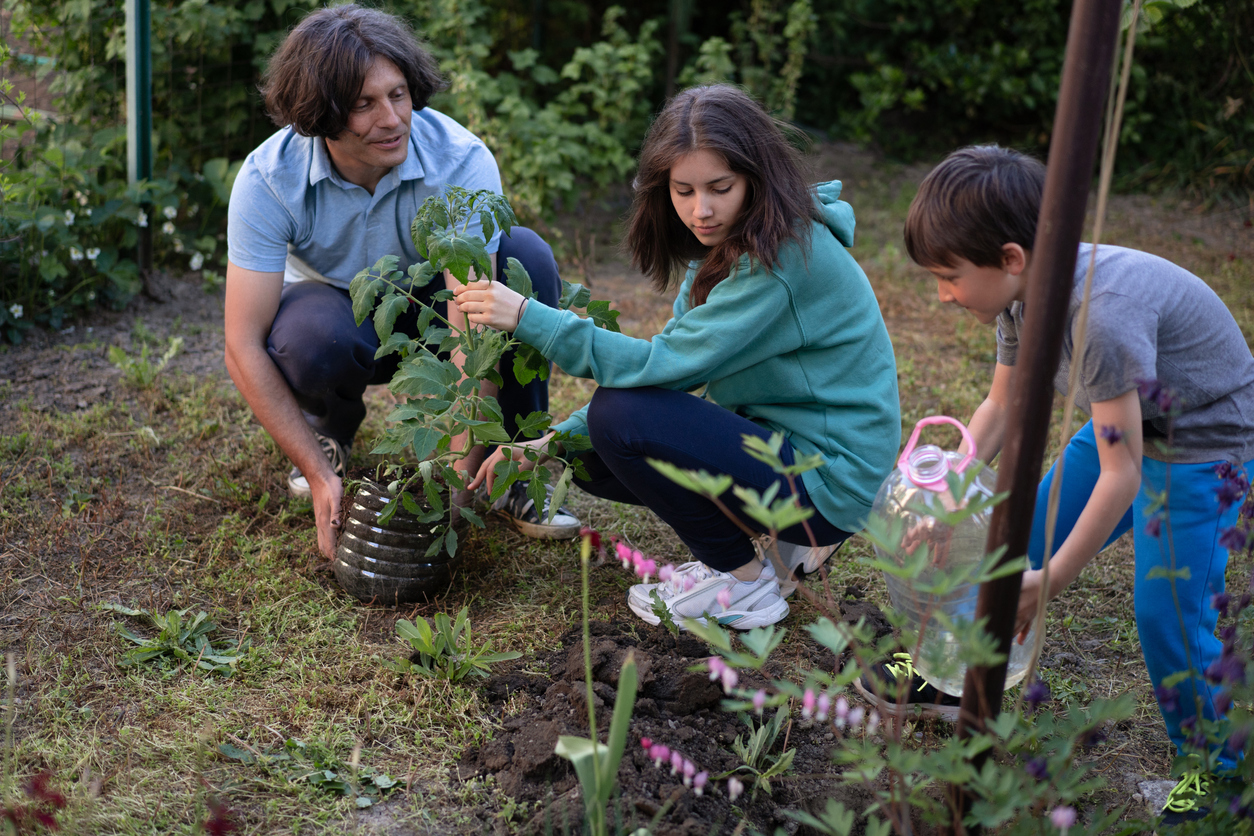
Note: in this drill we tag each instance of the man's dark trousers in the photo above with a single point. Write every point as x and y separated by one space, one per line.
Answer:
328 360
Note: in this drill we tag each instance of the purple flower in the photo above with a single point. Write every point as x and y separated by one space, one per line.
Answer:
699 781
855 716
1220 602
808 701
1112 434
1168 698
1038 768
1062 817
1237 740
1233 539
759 700
1152 390
1224 470
1222 702
716 666
1035 694
1229 668
1154 527
1230 492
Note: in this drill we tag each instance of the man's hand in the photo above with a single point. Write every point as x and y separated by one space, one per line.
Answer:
507 452
328 493
489 303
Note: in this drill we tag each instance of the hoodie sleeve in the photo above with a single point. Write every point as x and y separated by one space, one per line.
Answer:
746 319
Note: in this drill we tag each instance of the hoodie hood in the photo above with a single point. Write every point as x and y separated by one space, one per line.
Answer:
835 213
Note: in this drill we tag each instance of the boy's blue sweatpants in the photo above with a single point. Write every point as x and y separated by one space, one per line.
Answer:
1172 640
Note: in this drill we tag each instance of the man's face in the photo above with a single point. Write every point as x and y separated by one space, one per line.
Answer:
377 137
984 291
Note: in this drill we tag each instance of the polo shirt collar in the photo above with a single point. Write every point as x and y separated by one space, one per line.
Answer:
321 168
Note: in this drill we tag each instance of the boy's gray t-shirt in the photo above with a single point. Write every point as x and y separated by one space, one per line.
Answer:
1150 319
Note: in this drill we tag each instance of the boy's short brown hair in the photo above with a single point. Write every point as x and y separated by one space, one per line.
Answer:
977 200
316 74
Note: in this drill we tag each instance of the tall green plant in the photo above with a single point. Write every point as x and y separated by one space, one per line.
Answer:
444 412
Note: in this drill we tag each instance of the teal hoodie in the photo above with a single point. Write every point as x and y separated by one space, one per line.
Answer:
800 349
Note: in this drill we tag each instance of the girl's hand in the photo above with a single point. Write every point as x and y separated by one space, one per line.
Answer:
1029 596
489 303
508 452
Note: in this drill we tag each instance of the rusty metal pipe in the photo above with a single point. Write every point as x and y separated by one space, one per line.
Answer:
1073 150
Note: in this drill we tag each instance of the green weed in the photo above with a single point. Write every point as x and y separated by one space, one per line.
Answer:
179 643
447 652
139 371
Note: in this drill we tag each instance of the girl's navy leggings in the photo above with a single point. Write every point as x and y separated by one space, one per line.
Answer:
628 427
328 359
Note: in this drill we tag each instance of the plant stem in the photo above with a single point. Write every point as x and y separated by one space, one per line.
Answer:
585 553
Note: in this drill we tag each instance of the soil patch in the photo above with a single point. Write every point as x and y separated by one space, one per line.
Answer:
677 705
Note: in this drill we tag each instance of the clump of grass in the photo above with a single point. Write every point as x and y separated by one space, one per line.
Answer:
179 642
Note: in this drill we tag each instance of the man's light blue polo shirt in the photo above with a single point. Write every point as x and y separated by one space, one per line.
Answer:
291 211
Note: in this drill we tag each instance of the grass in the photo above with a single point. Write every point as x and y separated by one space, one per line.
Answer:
172 496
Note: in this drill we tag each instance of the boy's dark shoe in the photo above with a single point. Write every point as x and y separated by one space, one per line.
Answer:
882 686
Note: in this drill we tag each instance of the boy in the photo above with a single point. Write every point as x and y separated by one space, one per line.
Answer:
1164 359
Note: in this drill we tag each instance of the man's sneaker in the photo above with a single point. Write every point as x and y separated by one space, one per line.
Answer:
520 510
337 455
883 683
801 561
692 592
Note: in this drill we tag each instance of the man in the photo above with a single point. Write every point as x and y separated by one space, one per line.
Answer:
324 198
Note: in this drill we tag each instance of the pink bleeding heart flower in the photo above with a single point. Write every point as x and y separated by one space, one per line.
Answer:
872 721
824 705
624 553
665 573
724 598
689 583
855 716
689 770
659 753
699 781
734 788
677 762
637 558
759 700
646 743
808 701
645 568
842 712
716 666
1062 818
730 678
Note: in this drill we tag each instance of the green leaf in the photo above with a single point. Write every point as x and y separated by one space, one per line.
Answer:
574 295
529 363
1182 573
559 493
236 754
390 307
604 316
534 425
421 274
457 254
697 481
518 279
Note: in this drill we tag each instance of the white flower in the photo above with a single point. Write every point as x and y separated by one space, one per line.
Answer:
178 245
76 254
168 227
69 217
93 253
170 212
16 310
87 211
91 297
82 198
52 294
142 218
198 261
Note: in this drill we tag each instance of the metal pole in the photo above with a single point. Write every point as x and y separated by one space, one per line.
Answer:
1073 150
139 110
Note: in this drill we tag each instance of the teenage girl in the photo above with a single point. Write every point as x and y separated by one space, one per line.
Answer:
774 321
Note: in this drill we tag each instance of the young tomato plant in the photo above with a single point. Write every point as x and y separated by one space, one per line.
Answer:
445 411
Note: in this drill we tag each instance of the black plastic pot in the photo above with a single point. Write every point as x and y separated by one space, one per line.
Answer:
387 564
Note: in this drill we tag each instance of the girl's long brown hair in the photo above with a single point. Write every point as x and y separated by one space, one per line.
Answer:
725 120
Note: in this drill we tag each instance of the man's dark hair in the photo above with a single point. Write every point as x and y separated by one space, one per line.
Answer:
317 73
972 204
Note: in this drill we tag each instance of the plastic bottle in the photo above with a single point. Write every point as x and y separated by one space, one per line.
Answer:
907 502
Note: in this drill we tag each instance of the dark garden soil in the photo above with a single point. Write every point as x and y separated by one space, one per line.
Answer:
676 705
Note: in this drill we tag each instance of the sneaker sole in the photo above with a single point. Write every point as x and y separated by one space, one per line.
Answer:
758 618
298 492
925 710
540 531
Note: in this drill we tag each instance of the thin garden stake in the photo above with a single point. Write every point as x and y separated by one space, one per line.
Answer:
1114 120
1073 150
